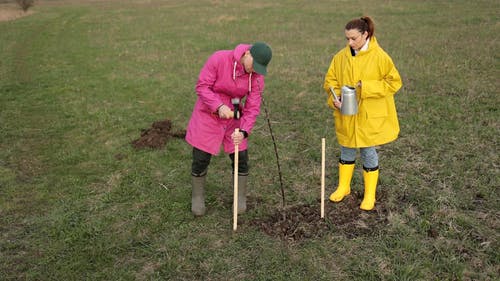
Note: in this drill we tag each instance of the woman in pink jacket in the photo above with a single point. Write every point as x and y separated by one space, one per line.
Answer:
229 77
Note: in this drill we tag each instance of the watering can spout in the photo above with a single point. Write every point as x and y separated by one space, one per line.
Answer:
334 95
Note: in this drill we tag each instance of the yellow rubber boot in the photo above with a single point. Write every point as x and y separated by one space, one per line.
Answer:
371 179
344 187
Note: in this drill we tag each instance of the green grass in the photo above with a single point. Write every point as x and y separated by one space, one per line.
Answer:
78 81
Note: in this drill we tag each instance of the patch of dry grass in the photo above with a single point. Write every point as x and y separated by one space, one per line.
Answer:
12 11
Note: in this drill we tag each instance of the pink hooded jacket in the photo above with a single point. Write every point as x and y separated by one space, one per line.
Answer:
222 78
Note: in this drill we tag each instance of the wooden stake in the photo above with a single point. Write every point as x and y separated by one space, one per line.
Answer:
323 177
235 196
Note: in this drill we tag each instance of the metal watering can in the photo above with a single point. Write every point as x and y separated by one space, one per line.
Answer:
349 101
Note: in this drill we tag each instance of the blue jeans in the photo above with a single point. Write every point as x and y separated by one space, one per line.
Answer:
368 155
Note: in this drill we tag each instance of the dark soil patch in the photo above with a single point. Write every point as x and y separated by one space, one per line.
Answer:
299 222
157 136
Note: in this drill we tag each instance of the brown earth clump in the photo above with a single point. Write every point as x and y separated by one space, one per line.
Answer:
157 136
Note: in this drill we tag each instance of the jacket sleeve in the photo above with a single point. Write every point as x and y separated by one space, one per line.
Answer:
331 81
251 108
389 83
205 84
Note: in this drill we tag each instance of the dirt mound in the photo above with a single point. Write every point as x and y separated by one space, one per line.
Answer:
157 136
300 222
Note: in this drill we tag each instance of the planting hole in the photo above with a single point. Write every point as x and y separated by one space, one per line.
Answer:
299 222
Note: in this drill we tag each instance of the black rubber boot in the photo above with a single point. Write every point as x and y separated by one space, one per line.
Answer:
198 196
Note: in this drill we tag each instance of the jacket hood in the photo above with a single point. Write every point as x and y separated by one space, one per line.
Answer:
240 50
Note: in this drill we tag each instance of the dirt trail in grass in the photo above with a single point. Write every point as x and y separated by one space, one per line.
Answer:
11 11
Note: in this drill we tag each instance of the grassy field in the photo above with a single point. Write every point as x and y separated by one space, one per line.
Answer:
80 79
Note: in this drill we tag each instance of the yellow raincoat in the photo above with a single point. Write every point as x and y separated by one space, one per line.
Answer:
376 122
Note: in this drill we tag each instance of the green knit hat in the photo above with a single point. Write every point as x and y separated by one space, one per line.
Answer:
262 55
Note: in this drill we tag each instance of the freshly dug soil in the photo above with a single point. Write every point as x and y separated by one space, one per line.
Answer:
299 222
157 136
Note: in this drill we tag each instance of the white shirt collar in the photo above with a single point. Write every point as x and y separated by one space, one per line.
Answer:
365 46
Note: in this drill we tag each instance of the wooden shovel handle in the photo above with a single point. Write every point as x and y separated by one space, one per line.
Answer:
235 195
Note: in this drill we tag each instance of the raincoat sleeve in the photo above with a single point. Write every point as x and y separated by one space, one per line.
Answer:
331 81
252 106
388 85
206 81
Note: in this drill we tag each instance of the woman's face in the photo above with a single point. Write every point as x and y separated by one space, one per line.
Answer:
247 62
355 38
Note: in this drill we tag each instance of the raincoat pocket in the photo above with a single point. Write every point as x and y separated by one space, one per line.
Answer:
376 115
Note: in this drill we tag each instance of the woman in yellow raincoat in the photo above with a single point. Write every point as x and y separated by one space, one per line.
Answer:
363 64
